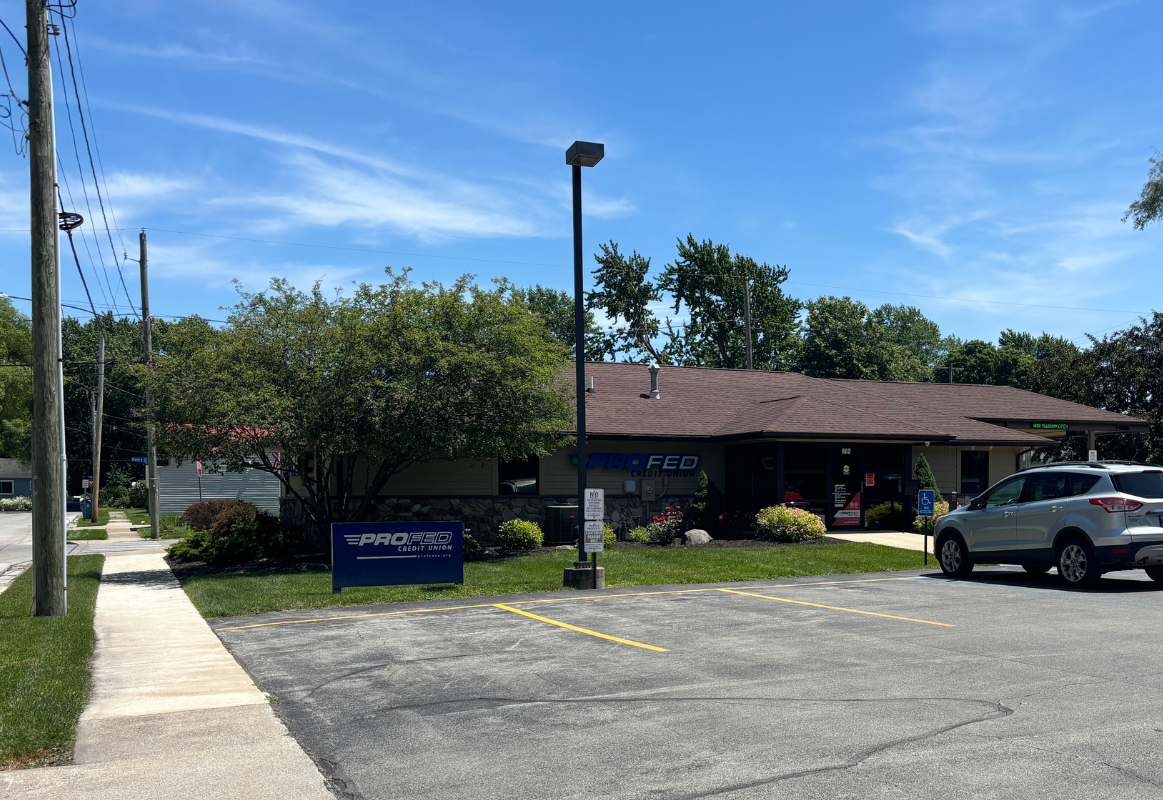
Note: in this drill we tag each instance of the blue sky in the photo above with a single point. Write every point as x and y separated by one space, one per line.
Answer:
970 151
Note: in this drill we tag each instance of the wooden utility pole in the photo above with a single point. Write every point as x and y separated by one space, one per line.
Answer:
98 419
151 445
747 318
48 473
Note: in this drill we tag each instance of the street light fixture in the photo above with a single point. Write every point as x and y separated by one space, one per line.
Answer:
581 154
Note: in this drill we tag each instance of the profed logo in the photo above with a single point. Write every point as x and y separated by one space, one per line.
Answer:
663 461
416 537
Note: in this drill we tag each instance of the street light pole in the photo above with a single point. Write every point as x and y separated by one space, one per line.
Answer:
580 154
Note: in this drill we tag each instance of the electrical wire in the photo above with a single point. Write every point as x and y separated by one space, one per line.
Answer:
73 247
92 163
13 35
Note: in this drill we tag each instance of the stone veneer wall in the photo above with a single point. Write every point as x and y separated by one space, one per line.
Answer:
483 515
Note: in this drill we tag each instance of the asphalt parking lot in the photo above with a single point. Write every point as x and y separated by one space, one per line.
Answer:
870 686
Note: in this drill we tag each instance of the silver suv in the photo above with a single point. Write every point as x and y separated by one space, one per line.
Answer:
1085 518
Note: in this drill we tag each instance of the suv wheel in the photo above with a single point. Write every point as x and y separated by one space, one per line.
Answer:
953 556
1156 574
1077 565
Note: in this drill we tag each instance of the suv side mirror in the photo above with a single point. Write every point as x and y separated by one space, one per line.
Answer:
976 504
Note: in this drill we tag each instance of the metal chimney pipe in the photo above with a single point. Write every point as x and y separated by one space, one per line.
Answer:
654 370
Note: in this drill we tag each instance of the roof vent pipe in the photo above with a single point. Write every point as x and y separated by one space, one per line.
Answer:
654 370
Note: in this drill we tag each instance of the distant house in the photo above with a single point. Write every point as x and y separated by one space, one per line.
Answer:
181 487
15 478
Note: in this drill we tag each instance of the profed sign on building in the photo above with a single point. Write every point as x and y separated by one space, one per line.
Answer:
644 465
396 553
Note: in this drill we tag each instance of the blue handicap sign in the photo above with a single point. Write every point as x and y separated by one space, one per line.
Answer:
926 502
396 553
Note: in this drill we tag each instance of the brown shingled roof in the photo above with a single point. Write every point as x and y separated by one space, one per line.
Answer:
739 404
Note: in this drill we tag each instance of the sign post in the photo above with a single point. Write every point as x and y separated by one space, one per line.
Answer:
594 514
926 507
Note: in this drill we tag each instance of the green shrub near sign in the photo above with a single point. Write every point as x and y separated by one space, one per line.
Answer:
232 532
786 524
519 534
640 534
889 517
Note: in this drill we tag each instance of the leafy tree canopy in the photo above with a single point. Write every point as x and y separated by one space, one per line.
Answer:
1149 207
352 391
842 338
15 382
555 307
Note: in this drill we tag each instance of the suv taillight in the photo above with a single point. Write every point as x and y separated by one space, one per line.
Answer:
1113 504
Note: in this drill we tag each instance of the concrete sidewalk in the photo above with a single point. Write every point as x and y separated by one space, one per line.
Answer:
171 714
905 541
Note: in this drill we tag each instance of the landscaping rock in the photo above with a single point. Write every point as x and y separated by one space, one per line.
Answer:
696 536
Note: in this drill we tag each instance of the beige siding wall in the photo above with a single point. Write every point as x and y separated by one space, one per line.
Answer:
461 478
946 464
558 476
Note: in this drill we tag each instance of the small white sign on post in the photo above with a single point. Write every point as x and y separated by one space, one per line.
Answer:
1092 455
595 504
595 535
84 483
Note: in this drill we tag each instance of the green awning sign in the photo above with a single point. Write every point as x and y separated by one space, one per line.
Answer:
1051 426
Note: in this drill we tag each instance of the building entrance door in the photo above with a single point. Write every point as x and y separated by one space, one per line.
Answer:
845 498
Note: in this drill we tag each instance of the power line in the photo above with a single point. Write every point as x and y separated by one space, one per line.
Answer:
87 311
92 164
13 35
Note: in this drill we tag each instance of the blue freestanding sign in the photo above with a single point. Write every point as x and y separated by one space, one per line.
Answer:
926 502
396 553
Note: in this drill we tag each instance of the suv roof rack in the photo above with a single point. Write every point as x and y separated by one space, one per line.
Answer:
1091 464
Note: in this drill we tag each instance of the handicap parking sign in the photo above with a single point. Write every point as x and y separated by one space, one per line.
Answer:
926 500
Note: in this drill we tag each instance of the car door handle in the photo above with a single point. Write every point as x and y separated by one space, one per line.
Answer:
1057 508
1007 513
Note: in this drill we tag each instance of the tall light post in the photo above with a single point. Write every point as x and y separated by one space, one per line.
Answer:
580 154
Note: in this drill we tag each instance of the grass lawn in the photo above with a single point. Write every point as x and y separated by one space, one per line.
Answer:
102 520
225 595
92 533
44 668
137 516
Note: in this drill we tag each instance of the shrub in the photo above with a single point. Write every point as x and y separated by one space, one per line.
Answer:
736 524
137 496
472 549
888 517
927 524
707 507
659 533
201 516
608 535
784 524
519 534
926 478
640 534
170 522
240 534
16 504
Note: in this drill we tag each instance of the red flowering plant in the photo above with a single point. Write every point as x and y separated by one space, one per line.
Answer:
737 522
667 525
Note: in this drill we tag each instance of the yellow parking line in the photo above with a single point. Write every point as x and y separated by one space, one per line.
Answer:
547 600
837 608
582 630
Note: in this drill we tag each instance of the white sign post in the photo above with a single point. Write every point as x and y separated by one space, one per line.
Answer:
595 536
84 483
595 504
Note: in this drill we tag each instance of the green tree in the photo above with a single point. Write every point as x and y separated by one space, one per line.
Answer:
708 282
843 339
624 294
981 362
556 308
15 383
354 390
906 327
926 478
1149 207
707 505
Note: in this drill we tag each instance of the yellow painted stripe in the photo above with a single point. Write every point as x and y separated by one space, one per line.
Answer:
547 600
837 608
582 630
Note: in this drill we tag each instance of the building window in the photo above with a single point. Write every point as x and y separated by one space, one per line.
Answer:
6 487
974 472
518 477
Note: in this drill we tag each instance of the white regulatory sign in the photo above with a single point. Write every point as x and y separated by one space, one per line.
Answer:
84 483
595 505
595 535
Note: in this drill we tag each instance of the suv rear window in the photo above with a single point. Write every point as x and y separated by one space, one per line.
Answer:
1140 484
